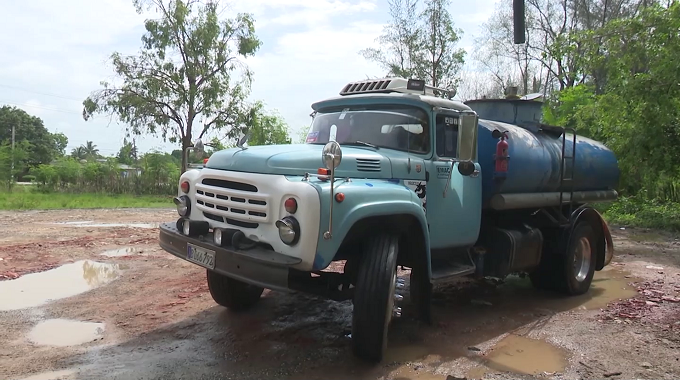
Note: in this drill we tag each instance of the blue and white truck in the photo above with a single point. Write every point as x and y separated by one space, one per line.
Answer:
395 173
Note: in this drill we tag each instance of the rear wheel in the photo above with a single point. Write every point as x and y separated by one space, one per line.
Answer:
569 269
233 294
374 296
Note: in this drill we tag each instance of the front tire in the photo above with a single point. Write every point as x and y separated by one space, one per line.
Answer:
374 296
233 294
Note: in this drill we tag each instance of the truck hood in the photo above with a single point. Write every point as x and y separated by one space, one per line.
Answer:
298 159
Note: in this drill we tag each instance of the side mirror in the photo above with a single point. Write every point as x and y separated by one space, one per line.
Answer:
467 136
331 155
466 168
198 146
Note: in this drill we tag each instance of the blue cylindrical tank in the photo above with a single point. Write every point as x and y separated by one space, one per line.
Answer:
535 153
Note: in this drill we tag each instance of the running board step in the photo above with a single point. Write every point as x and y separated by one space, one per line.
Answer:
447 271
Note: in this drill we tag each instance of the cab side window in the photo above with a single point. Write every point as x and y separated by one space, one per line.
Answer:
447 135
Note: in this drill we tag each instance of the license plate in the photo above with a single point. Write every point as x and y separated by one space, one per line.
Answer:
201 256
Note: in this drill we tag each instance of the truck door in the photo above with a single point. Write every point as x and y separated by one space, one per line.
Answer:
454 217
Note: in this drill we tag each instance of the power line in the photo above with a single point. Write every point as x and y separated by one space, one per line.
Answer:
49 109
41 93
39 107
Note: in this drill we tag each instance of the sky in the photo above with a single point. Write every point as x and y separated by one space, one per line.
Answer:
54 54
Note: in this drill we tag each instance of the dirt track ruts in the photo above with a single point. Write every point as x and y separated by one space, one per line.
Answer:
160 322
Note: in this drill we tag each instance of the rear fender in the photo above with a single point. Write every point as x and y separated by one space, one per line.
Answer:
605 248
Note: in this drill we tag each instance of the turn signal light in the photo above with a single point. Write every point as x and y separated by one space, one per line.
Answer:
339 197
290 205
185 186
323 174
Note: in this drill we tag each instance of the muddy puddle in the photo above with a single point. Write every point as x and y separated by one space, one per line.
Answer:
68 280
609 285
64 332
517 354
120 252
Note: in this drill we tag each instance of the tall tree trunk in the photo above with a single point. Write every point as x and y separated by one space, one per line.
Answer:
186 143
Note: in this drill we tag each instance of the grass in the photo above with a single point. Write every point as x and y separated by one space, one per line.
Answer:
645 213
24 199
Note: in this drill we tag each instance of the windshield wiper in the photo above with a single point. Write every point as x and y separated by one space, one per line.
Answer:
363 143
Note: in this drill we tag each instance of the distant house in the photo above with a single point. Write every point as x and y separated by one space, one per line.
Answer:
125 170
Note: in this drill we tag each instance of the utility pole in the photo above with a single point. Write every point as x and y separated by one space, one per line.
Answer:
12 172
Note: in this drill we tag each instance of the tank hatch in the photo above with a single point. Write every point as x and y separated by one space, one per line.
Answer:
524 112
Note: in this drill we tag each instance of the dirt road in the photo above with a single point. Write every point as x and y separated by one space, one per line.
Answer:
90 295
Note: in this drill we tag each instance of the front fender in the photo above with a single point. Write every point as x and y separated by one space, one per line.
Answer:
363 198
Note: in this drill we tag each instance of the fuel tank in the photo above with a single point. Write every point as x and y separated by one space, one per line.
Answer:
535 152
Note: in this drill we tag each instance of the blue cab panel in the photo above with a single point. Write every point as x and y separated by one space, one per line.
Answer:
536 153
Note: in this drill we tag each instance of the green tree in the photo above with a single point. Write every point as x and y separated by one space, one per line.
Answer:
420 44
187 71
79 153
13 161
637 111
61 141
127 153
44 146
266 128
91 150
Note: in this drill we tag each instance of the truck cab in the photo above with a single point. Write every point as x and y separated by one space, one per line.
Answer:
389 175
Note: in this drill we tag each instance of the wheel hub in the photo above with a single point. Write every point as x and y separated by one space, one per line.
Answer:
582 255
393 309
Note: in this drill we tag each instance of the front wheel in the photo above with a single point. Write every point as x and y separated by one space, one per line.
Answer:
374 296
233 294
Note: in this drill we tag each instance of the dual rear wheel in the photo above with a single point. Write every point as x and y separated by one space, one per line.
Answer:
569 268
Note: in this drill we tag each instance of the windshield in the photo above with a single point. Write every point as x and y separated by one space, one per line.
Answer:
396 127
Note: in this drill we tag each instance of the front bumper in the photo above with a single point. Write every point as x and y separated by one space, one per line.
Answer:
257 266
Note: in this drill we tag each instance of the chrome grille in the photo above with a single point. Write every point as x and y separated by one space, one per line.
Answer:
232 201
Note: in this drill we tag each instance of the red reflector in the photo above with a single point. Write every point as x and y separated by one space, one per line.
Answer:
323 171
339 197
185 186
291 205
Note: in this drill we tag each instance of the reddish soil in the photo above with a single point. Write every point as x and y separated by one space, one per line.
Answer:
162 323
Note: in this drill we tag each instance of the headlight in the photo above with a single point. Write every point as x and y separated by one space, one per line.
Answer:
186 227
289 230
217 236
183 204
195 227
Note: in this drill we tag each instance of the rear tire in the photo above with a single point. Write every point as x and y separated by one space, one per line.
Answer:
233 294
569 269
374 296
577 267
